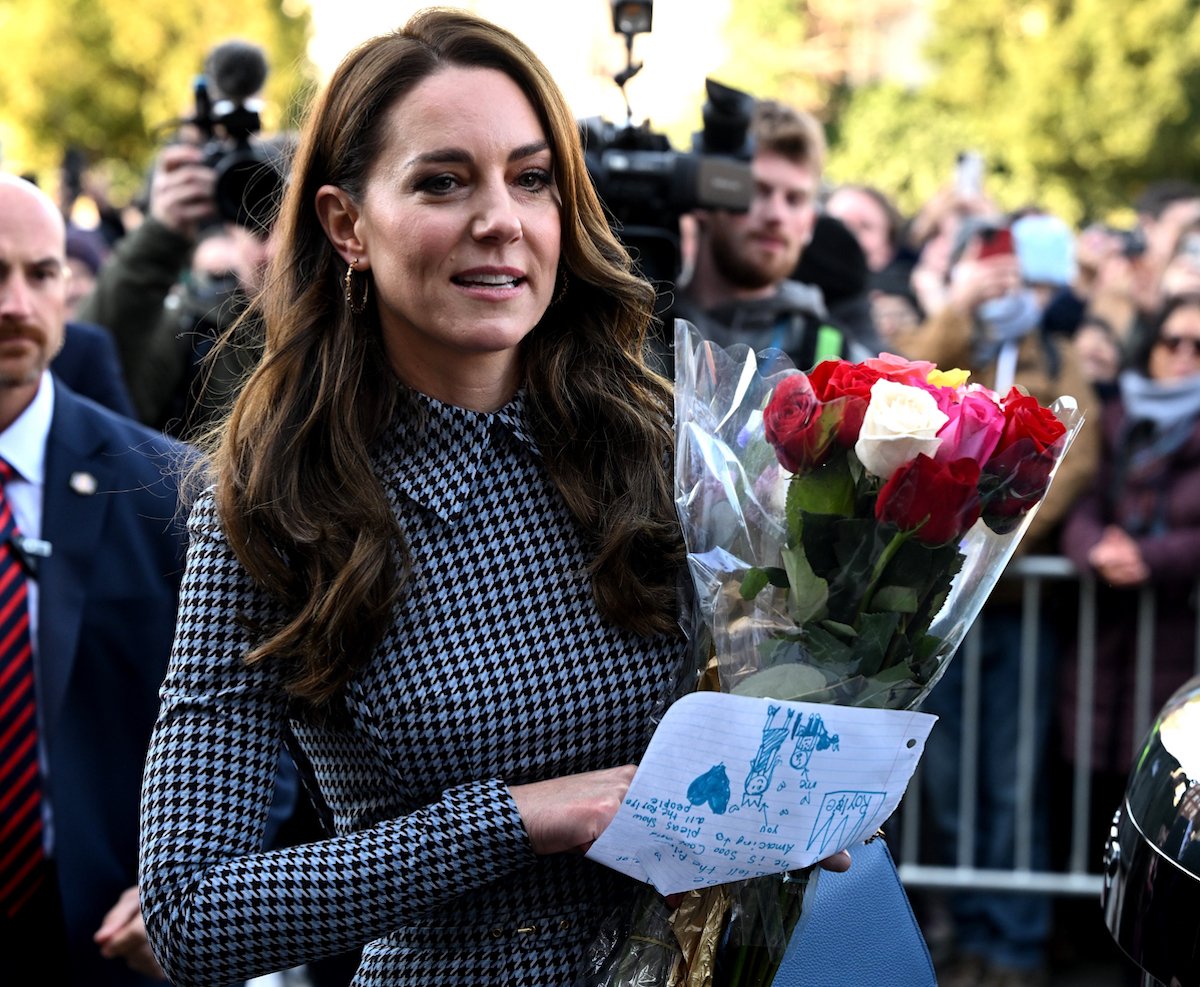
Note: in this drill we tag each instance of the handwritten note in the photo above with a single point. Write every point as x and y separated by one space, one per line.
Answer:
733 787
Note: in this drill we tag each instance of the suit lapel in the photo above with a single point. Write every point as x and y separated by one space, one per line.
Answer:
73 511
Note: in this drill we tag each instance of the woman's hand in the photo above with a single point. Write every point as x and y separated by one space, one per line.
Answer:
568 813
1117 559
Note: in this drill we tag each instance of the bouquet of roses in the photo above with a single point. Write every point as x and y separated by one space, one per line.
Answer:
844 528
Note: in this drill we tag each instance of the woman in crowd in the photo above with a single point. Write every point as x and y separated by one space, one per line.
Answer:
439 550
1140 526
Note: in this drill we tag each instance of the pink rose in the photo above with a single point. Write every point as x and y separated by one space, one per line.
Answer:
897 368
974 429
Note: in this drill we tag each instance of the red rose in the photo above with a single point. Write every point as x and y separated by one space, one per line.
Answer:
938 502
848 384
1018 473
1014 481
1024 418
792 422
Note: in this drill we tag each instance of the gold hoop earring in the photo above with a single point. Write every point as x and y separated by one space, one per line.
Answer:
560 292
356 305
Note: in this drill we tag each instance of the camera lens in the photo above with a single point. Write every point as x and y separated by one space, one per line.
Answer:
248 187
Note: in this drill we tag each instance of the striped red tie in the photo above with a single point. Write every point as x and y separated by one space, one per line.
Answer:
21 851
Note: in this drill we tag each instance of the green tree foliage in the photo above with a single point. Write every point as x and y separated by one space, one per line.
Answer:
899 140
769 44
108 77
1076 104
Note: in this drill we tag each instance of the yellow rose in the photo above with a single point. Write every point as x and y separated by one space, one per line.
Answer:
953 379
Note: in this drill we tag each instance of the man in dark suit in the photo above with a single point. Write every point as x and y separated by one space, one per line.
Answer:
88 364
100 543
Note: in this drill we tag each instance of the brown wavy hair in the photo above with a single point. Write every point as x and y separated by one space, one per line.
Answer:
297 497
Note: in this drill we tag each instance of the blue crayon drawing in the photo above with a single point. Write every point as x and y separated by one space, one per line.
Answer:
810 735
712 787
758 780
843 819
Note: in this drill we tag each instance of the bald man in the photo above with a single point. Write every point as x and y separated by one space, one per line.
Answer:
99 542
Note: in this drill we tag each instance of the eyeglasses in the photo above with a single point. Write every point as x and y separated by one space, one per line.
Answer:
1173 344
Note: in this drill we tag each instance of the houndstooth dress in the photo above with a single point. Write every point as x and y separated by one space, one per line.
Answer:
498 669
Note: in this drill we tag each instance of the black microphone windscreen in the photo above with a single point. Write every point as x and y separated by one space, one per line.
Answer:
236 69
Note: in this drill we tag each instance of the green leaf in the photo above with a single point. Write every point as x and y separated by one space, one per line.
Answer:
900 672
777 576
876 632
925 646
850 554
791 681
758 578
819 539
808 592
827 489
901 599
828 649
753 583
843 631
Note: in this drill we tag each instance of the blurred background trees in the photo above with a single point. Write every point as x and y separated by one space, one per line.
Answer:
1075 104
104 80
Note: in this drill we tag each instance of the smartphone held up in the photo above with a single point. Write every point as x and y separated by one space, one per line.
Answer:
968 174
995 241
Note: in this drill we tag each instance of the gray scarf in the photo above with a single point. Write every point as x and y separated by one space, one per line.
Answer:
1163 403
1007 319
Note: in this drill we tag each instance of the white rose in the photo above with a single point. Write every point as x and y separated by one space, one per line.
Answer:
901 422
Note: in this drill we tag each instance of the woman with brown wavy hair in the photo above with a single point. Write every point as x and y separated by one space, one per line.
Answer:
439 557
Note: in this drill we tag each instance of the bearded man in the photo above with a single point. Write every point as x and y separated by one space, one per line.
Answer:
740 288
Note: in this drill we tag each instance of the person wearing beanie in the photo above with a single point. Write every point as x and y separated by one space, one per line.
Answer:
85 253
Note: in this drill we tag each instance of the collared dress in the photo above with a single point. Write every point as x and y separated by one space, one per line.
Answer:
497 670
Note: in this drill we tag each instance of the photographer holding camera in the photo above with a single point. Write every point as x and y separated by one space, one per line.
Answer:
218 180
740 289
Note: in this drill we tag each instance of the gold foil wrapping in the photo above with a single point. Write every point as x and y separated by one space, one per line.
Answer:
697 924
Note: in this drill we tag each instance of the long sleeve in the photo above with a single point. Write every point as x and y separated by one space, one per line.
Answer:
210 775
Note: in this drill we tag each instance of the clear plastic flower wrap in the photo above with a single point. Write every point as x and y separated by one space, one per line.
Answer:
844 529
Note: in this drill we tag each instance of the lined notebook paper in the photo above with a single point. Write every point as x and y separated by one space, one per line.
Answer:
733 787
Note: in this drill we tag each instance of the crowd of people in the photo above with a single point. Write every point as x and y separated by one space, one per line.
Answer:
421 427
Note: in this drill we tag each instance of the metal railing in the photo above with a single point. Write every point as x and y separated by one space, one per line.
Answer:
1082 874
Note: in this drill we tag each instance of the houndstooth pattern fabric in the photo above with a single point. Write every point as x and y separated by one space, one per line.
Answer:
498 670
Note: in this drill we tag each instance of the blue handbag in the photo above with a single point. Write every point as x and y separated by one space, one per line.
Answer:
858 930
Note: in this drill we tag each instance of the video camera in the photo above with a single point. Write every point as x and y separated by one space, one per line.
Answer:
645 185
249 172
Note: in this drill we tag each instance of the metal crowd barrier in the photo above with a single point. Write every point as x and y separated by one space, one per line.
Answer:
1082 876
